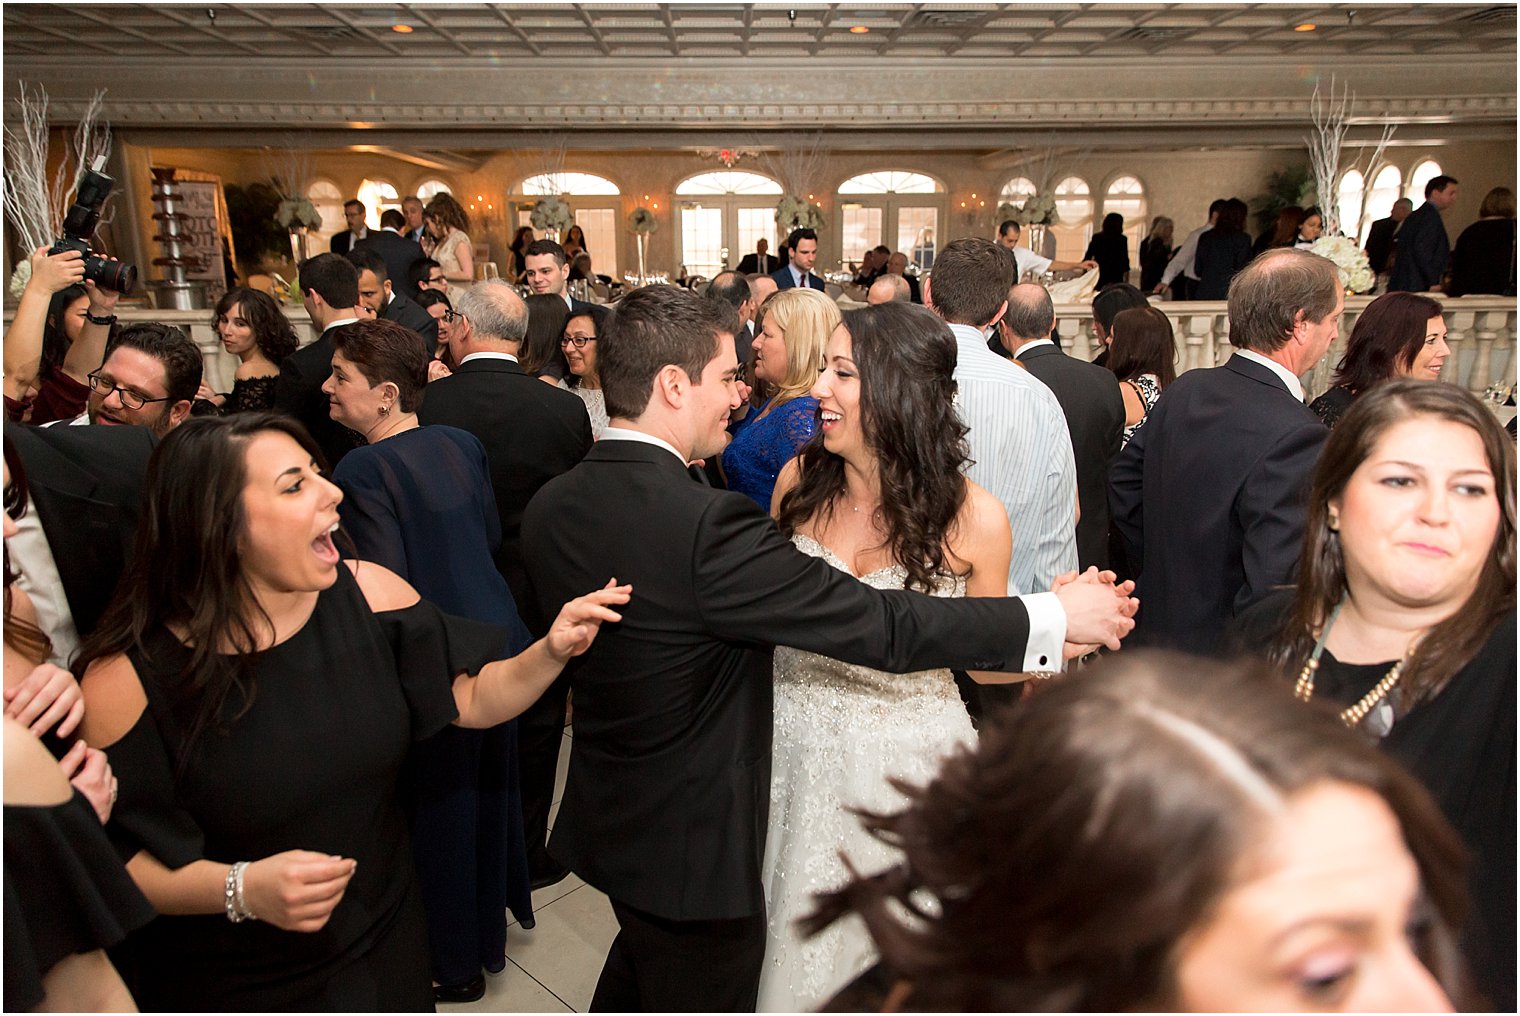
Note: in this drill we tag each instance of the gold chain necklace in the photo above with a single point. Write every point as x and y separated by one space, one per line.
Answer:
1352 715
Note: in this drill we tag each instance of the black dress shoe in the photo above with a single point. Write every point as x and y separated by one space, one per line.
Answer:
472 990
549 877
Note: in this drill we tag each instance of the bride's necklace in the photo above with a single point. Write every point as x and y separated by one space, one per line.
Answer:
1353 715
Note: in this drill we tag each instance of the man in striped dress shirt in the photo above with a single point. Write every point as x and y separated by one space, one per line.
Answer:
1019 439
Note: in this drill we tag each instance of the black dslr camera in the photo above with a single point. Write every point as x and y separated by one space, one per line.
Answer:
79 226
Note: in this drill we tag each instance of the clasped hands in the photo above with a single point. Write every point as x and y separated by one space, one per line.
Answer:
1099 610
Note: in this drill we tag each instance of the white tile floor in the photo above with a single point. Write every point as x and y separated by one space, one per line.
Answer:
554 967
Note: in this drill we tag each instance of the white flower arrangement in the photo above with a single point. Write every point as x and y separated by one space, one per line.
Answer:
20 277
1350 263
795 213
1039 210
552 213
641 222
298 213
1007 210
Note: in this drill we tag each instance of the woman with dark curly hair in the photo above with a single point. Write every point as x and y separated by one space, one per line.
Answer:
1160 834
1397 335
877 492
253 329
446 230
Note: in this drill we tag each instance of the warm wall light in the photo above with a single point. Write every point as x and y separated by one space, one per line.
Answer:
1307 26
657 206
973 197
403 29
858 29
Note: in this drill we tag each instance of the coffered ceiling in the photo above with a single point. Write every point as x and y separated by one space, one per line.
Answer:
582 31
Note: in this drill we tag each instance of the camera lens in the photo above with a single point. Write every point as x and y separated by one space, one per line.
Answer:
108 274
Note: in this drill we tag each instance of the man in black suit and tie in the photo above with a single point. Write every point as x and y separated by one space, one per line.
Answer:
1424 247
353 214
532 432
399 252
547 271
411 208
667 801
376 294
1380 238
330 290
803 244
1090 399
1209 495
760 262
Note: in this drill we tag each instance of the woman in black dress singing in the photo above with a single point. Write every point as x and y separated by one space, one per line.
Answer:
258 698
1404 615
253 329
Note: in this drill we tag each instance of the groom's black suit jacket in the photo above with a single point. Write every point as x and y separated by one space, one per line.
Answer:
668 795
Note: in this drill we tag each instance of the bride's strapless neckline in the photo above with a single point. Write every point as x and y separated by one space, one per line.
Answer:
834 559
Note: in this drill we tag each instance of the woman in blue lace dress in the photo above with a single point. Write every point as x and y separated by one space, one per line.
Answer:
788 356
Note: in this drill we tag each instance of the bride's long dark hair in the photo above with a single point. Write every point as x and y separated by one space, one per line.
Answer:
906 358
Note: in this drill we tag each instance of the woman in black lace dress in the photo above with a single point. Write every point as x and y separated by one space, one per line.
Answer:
253 329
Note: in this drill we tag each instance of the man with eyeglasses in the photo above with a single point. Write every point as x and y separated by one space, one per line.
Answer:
148 379
426 273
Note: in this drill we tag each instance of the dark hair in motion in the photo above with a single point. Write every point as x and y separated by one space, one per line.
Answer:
1388 335
521 238
187 570
385 351
1144 343
1072 850
1451 644
271 328
332 277
55 341
651 328
970 281
547 315
905 356
21 634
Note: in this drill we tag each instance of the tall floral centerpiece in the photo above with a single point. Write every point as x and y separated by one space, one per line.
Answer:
297 215
1038 213
641 222
1350 262
795 213
553 216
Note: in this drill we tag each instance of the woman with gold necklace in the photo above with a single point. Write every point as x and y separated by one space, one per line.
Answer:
1404 618
418 500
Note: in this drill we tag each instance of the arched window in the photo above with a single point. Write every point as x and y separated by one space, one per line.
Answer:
1348 203
1074 208
729 209
727 182
1017 191
1386 189
377 195
327 199
427 190
890 181
546 184
1422 174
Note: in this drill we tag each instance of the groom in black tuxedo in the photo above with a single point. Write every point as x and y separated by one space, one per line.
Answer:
666 804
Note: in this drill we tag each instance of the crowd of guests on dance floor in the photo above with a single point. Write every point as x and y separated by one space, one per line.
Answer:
914 663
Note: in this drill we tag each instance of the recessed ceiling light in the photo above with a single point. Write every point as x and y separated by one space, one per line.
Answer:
1307 26
858 29
403 29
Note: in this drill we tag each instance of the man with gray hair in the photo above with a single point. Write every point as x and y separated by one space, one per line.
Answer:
888 288
1089 398
1209 495
532 432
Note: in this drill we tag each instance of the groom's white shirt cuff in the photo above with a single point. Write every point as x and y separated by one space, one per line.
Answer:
1047 632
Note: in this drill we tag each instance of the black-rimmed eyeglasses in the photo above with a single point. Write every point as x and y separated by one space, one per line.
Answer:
451 315
578 341
104 386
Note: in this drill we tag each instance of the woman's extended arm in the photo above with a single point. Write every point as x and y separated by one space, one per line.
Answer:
23 340
465 255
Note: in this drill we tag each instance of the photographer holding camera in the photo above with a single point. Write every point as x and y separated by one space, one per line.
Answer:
41 388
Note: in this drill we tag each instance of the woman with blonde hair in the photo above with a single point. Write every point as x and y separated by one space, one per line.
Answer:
446 227
788 356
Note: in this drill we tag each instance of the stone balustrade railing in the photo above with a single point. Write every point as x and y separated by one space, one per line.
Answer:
1481 333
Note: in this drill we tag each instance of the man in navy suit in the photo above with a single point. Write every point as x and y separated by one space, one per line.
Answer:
1424 248
799 272
353 214
1210 494
411 207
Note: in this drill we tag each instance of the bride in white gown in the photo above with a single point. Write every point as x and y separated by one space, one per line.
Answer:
882 498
